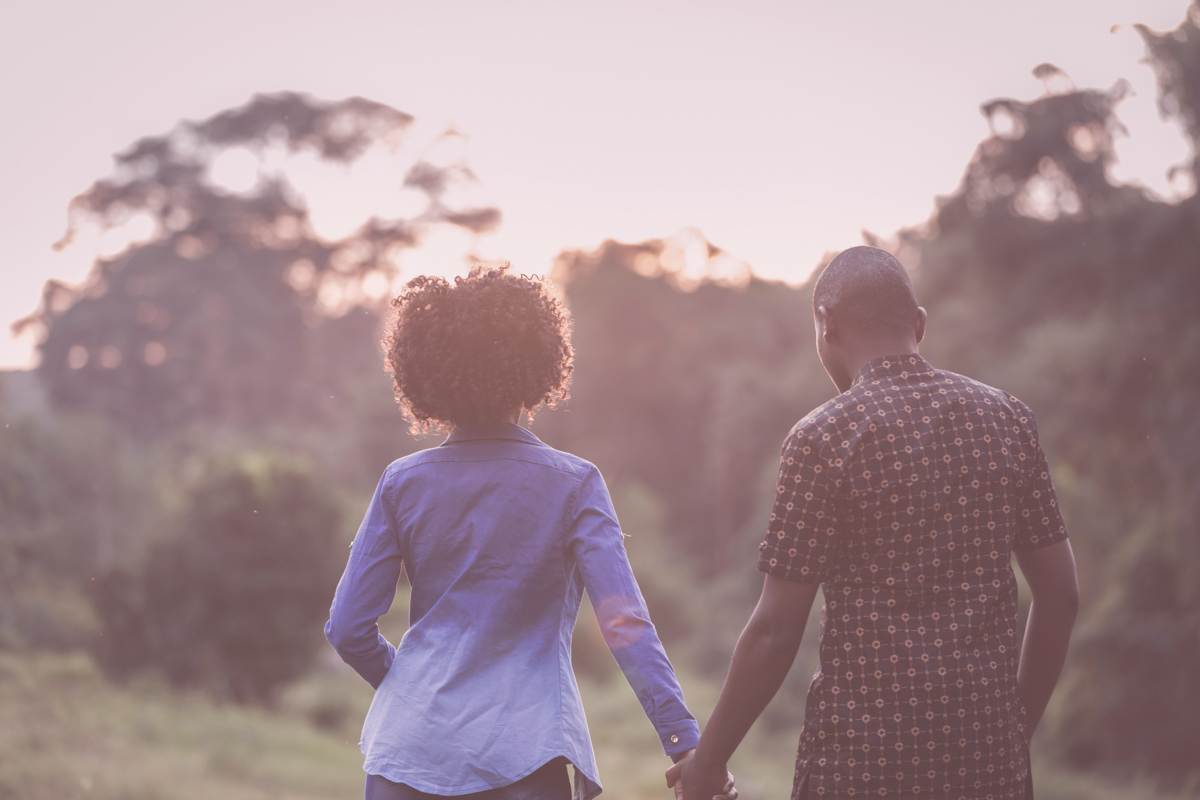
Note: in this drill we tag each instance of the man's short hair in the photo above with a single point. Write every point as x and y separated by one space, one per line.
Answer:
868 290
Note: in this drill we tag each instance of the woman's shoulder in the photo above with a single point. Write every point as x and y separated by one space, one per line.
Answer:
536 454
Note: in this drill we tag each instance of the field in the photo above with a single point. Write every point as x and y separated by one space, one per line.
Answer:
66 732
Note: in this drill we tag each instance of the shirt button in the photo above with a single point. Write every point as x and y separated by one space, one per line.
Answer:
674 740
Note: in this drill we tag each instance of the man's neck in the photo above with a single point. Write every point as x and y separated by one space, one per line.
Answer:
864 353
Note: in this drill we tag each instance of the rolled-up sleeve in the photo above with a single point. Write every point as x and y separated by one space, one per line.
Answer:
598 548
801 543
1040 520
366 591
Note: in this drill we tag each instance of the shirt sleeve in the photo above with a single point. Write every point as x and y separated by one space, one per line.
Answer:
1039 520
596 544
801 541
366 591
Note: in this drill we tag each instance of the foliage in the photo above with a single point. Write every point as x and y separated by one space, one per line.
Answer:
233 311
71 498
1175 57
235 601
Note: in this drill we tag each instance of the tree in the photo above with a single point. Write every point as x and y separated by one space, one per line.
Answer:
233 311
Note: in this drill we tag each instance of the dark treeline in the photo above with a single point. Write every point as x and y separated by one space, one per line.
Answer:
225 374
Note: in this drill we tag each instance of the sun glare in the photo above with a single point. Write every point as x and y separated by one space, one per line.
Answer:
235 170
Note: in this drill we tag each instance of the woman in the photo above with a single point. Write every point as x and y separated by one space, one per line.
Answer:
499 535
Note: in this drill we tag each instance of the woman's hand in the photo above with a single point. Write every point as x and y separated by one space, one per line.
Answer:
686 772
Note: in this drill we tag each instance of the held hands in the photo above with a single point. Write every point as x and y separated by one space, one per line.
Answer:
694 781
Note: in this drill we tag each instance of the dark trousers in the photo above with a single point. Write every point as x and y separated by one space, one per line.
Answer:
549 782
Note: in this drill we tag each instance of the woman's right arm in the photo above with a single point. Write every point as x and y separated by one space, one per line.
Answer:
366 591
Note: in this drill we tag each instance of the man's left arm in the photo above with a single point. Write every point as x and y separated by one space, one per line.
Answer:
1050 573
1043 552
761 660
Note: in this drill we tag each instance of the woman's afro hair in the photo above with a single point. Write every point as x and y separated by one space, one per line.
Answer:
475 350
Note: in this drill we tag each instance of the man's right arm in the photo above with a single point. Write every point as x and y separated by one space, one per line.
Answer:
761 660
797 553
1054 588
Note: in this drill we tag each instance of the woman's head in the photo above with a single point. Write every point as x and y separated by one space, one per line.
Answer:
478 349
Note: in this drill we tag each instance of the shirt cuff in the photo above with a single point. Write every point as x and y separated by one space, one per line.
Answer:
787 572
680 739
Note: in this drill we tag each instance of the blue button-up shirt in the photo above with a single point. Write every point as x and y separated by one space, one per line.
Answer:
500 534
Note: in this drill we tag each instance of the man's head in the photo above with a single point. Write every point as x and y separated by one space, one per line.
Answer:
864 307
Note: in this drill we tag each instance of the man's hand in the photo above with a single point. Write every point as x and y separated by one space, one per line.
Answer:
700 785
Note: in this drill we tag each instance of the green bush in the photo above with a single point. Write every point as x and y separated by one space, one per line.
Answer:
73 502
234 602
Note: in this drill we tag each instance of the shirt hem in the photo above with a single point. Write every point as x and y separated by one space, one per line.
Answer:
592 789
780 571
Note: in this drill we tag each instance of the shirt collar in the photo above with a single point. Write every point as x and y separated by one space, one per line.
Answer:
491 430
900 366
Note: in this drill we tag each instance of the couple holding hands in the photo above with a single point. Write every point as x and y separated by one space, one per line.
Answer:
903 498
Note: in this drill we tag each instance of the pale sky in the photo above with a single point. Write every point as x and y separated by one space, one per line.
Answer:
778 129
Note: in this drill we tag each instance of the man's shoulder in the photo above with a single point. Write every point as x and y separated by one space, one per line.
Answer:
822 426
819 418
966 386
857 404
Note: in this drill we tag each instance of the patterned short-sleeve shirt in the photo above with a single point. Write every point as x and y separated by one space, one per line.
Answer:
904 497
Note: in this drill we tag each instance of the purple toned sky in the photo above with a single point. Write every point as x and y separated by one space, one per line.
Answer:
778 129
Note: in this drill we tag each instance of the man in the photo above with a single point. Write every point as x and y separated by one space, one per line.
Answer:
903 499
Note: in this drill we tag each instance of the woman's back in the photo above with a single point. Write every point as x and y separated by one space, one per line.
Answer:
482 523
499 534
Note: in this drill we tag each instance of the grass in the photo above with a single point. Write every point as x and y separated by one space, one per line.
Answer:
66 732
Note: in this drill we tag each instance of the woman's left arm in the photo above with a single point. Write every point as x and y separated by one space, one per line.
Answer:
366 591
598 548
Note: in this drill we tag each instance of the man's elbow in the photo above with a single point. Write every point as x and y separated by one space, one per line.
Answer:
772 642
1071 602
1052 578
1062 601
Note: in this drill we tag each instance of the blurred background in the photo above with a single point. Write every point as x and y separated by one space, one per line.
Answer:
193 382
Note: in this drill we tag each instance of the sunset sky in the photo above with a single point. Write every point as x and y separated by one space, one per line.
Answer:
779 129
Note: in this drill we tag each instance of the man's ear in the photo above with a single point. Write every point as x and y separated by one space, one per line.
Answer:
920 329
825 325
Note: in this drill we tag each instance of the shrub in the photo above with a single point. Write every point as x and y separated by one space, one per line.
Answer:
234 602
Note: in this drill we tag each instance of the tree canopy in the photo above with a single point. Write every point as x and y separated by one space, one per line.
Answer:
233 311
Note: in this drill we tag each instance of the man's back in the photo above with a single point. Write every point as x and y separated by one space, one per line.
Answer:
905 497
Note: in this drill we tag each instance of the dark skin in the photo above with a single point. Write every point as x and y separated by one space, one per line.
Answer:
767 646
844 349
